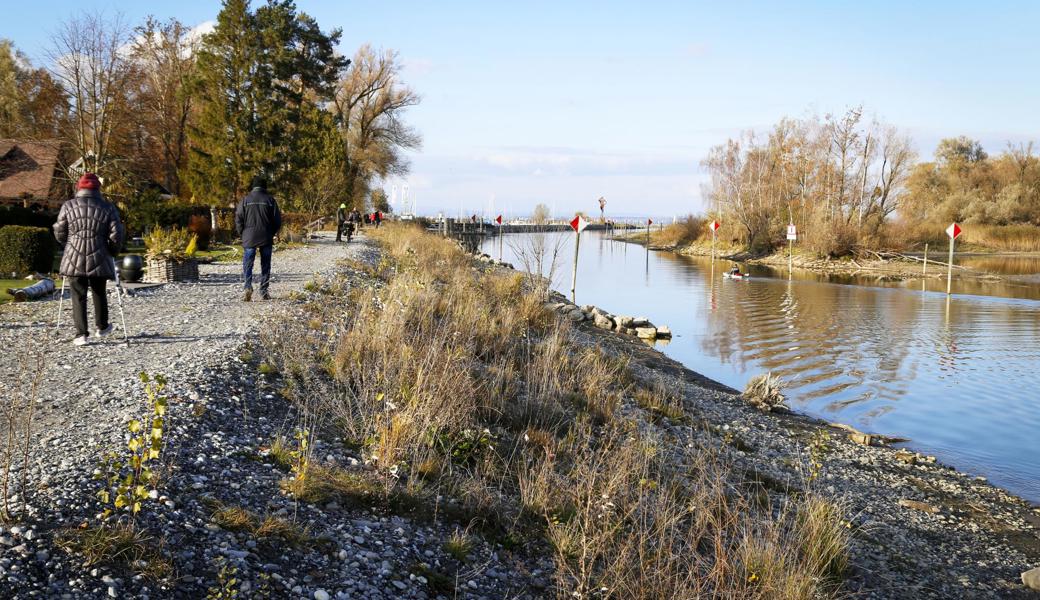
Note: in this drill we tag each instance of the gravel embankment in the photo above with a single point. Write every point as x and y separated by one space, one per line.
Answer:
223 416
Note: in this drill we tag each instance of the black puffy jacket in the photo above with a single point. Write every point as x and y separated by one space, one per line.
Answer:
89 228
257 219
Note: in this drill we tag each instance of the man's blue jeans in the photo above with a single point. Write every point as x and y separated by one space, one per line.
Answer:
248 258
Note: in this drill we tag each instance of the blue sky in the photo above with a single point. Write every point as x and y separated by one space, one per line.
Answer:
564 102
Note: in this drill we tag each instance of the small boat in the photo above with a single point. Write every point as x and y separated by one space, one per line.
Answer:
736 275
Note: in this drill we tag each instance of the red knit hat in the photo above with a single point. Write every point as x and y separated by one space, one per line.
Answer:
89 181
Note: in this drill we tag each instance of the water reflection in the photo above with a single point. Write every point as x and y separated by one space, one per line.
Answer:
954 374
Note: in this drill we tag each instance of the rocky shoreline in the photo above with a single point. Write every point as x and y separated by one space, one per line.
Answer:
919 529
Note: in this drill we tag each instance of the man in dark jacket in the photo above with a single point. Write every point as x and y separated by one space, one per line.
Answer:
89 228
257 220
341 222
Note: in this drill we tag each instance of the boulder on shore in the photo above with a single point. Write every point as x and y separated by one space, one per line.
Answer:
602 321
647 333
1032 579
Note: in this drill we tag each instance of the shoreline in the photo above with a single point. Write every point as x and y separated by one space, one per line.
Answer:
905 506
896 268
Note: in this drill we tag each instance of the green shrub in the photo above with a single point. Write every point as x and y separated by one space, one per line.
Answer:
150 210
26 249
174 243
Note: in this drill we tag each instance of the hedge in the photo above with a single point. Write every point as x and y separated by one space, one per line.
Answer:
19 215
26 250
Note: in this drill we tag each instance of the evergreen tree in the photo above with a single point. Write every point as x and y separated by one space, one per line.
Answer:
262 79
223 154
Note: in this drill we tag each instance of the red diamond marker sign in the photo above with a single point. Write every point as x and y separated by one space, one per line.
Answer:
714 226
579 224
498 219
953 231
649 222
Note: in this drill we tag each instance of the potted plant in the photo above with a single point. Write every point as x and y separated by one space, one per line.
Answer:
171 255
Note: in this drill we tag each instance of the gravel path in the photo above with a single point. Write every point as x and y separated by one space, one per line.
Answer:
174 329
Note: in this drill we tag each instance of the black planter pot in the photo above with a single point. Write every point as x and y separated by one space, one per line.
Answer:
131 268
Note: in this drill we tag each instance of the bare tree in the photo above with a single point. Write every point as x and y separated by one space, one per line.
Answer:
541 214
89 57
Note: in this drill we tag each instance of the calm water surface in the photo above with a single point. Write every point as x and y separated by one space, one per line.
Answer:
960 378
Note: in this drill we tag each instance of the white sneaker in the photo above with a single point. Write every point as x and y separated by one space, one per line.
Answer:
80 340
106 331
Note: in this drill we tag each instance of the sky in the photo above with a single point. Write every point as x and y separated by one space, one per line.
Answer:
564 102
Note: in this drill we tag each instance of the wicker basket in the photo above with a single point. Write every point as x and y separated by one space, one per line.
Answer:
165 270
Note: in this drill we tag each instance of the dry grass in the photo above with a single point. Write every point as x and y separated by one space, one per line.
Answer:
458 384
269 527
763 392
1004 238
682 233
120 546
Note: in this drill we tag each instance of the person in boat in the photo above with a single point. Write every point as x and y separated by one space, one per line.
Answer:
735 270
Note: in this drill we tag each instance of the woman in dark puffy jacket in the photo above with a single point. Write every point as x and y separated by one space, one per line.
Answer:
89 228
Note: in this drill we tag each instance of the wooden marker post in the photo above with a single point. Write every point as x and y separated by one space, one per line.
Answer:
792 235
924 267
714 226
953 231
578 224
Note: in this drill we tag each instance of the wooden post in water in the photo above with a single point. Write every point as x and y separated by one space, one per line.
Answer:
924 267
578 225
574 274
953 231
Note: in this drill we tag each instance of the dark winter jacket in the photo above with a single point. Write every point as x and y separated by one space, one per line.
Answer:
89 228
257 219
341 215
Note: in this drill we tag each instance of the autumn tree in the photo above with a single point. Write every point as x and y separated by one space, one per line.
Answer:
165 53
369 105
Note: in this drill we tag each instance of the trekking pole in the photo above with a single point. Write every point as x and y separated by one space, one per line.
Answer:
119 301
61 298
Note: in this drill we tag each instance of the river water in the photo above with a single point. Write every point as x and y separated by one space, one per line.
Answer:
959 377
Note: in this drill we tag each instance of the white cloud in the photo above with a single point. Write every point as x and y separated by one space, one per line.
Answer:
417 66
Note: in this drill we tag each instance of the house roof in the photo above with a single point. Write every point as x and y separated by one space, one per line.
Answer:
28 168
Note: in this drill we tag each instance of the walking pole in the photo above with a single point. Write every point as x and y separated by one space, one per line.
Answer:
61 298
119 301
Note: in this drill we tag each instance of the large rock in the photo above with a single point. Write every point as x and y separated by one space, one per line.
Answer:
1032 579
624 322
576 315
664 332
647 333
640 322
602 321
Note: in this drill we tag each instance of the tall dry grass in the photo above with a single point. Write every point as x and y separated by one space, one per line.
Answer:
684 232
1005 238
461 388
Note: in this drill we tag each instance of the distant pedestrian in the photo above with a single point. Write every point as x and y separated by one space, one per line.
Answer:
88 226
341 222
257 220
377 218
